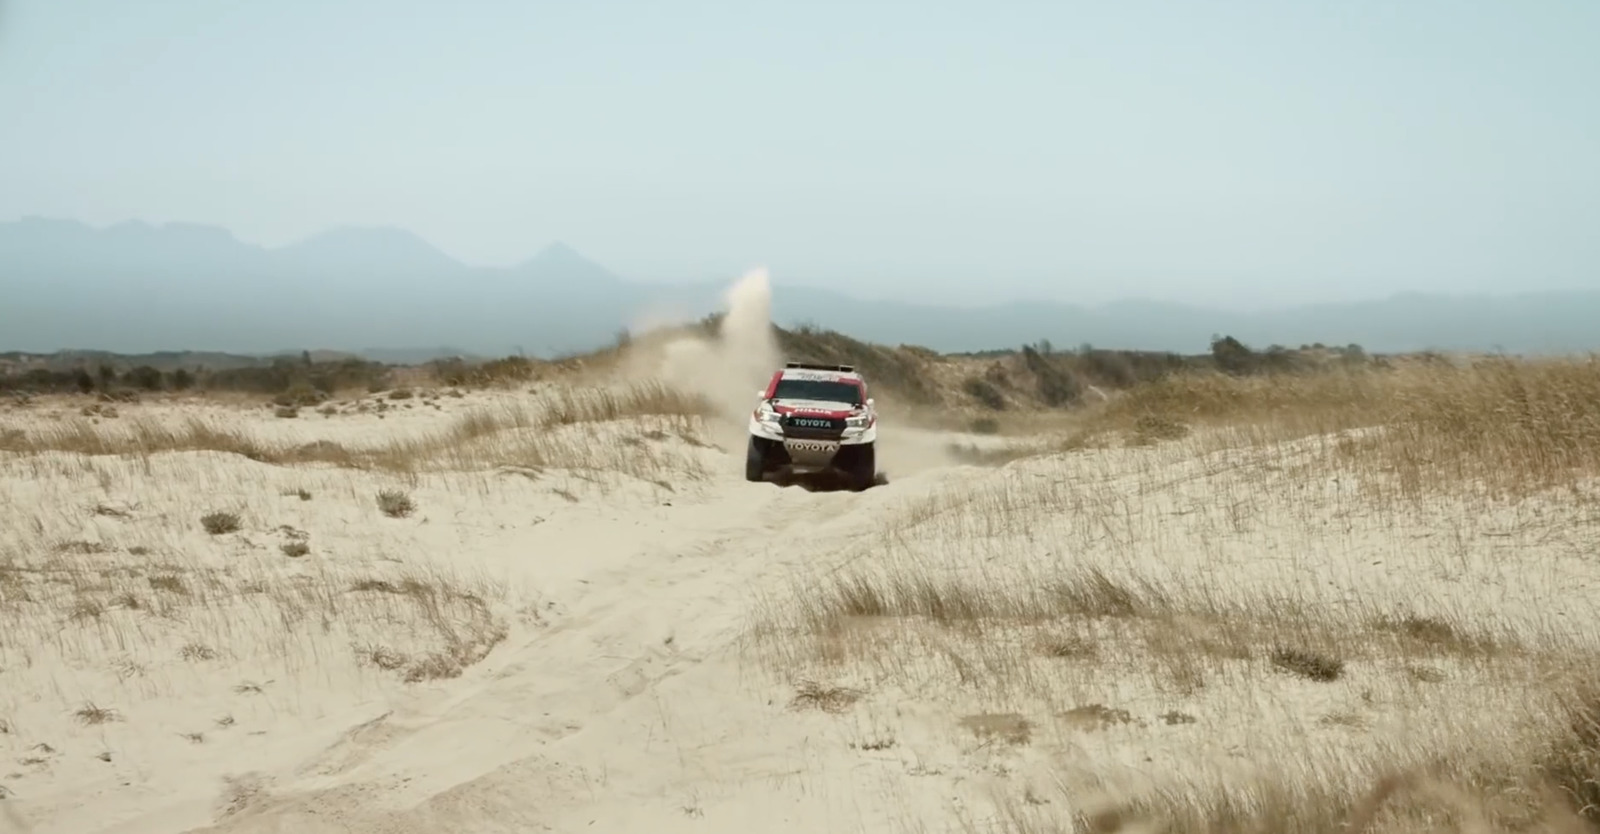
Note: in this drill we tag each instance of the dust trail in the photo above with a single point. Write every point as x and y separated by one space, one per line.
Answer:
730 367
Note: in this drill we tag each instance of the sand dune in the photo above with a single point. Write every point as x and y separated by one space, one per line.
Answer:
564 610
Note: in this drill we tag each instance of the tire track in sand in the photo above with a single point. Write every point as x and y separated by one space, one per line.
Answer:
479 760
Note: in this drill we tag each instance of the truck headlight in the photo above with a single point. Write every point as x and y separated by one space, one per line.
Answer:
858 421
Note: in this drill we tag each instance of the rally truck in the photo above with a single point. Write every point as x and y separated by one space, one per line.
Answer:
814 418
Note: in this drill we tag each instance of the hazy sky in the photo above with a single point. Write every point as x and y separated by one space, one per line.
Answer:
1235 153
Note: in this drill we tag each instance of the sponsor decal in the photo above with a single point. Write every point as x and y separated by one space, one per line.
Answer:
814 411
810 446
812 422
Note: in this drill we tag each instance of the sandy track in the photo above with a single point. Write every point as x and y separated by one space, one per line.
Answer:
581 724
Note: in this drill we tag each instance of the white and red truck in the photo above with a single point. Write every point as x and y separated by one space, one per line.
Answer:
814 418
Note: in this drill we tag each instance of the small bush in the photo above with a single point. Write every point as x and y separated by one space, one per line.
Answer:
395 504
509 371
90 714
219 523
295 550
985 393
197 651
168 583
1308 665
1057 386
1150 428
813 695
300 394
286 412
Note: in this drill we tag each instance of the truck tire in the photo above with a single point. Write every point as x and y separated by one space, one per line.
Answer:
862 468
755 461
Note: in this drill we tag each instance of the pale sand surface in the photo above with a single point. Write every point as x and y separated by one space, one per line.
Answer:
644 681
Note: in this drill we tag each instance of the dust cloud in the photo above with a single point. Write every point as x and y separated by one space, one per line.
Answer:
730 367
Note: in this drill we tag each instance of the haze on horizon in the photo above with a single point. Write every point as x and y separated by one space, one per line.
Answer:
1238 155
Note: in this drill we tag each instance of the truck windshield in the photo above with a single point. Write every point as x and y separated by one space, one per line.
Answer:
818 389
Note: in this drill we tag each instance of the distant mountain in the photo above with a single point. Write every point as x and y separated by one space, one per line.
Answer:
338 252
135 287
386 293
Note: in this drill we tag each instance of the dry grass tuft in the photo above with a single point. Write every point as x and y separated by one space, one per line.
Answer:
1152 428
1010 728
569 407
810 694
1506 426
197 651
168 583
395 503
382 657
1571 765
92 714
1084 593
469 629
1307 664
220 523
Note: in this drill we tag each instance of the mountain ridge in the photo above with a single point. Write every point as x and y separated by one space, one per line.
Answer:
141 287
